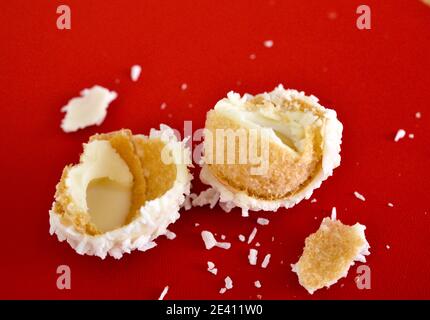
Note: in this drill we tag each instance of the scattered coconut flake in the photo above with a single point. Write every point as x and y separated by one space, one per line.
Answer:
228 283
209 196
163 106
88 109
135 72
257 284
252 56
390 204
211 268
184 86
188 203
359 196
242 237
259 296
208 239
252 257
266 261
273 238
313 200
224 245
263 221
411 135
163 294
170 235
418 115
257 244
223 237
333 213
252 235
222 290
399 135
268 43
196 224
387 246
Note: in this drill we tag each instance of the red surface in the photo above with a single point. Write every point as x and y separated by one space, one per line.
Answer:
376 80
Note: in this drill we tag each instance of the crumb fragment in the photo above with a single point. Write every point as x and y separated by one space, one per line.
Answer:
359 196
399 135
329 253
88 109
263 221
163 294
135 72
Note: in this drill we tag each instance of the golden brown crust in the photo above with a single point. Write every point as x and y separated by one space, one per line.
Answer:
158 175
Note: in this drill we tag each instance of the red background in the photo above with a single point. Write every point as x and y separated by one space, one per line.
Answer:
375 79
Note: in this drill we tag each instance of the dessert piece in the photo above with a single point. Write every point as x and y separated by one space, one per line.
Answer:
269 151
88 109
123 194
329 253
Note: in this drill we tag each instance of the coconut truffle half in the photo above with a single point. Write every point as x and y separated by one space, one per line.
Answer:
123 194
269 151
329 253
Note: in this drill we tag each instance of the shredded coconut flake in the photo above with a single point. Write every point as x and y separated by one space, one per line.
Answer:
135 72
266 261
399 135
208 239
252 257
313 200
390 204
359 196
211 268
333 214
263 221
242 237
209 196
222 290
257 284
228 283
88 109
184 86
189 200
163 106
411 135
257 244
163 294
170 235
252 56
418 115
268 43
252 235
223 237
387 246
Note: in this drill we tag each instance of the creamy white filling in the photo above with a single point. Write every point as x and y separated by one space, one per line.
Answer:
108 203
99 160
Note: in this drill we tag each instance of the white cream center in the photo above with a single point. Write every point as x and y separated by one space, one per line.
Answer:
108 203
